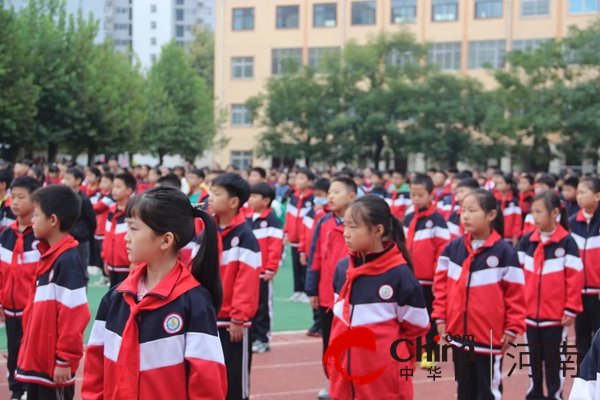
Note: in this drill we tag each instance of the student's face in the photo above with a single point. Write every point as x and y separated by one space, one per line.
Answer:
254 178
193 180
570 193
461 193
31 174
357 235
71 182
454 183
439 179
91 178
339 197
153 176
282 180
105 184
397 180
20 202
500 184
258 203
120 191
543 219
219 201
541 187
302 182
473 218
420 197
358 181
586 198
43 225
143 172
524 185
376 180
143 245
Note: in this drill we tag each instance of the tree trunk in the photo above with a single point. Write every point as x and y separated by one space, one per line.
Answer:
161 156
91 153
52 152
377 153
130 159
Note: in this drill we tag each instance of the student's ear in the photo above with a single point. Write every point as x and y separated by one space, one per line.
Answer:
378 230
2 185
597 197
491 216
234 202
129 191
352 195
555 213
167 240
54 221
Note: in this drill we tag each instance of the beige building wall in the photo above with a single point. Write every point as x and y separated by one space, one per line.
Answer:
259 42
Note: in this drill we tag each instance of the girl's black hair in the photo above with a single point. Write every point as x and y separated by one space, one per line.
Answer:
511 182
166 209
373 211
39 174
552 201
592 183
487 201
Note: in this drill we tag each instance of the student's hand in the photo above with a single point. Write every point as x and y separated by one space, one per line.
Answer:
268 277
303 260
506 339
567 320
106 271
62 374
236 332
441 328
314 302
286 241
2 316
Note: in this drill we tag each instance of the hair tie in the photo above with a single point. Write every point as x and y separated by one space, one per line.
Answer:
198 211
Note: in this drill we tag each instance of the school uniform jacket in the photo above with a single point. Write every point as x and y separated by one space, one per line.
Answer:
142 186
327 249
240 263
495 294
297 207
429 240
18 260
309 223
587 237
399 202
7 217
56 315
525 202
390 304
102 207
447 205
114 248
454 225
554 280
440 197
269 235
180 354
585 386
380 191
513 219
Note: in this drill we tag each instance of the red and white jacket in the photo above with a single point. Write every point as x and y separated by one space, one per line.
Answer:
177 344
6 215
19 257
553 277
399 203
297 207
308 227
454 225
389 303
513 219
269 235
240 264
587 237
114 248
56 315
494 298
447 205
101 207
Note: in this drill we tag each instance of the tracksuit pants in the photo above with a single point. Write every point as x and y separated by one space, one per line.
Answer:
429 338
41 392
238 358
586 324
545 361
478 380
263 320
14 334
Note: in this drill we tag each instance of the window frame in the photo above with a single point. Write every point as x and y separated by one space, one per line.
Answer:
352 11
153 8
324 20
287 51
243 19
177 35
523 2
179 12
583 12
236 109
490 2
153 25
153 41
455 58
445 3
297 17
479 46
392 8
242 66
240 159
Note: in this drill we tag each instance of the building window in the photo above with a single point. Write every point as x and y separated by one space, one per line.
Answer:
243 19
242 67
528 45
283 59
324 15
318 55
404 11
121 26
179 15
241 159
363 13
486 53
240 115
445 10
398 59
153 8
445 55
153 25
190 11
179 2
180 43
179 30
488 9
153 41
583 6
535 8
153 58
287 17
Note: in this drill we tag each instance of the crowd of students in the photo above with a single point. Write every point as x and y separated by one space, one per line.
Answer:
190 256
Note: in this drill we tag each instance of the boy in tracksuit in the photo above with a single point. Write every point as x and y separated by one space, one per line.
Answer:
18 260
462 189
299 204
240 263
399 199
426 237
328 247
267 230
57 312
6 215
114 248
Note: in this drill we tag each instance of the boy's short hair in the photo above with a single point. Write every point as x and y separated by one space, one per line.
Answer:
424 180
470 183
307 172
348 182
6 176
76 172
321 184
548 180
26 182
96 171
265 190
461 176
109 175
441 171
432 170
377 173
53 169
529 178
235 185
198 172
61 201
169 180
399 172
129 180
260 171
498 171
346 171
572 181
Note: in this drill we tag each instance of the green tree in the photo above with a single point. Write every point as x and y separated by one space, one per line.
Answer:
201 51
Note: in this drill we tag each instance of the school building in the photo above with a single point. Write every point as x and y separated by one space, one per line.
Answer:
252 37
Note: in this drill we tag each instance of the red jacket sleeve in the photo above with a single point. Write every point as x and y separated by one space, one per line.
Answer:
274 250
440 288
573 280
244 302
513 282
518 226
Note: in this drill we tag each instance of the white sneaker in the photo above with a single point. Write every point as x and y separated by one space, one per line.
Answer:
324 393
303 298
102 282
296 297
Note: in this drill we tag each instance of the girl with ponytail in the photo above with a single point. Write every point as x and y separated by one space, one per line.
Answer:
376 279
155 335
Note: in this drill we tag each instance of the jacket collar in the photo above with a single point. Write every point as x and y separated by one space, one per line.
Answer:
559 234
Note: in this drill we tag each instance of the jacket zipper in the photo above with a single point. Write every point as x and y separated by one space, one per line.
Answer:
584 257
467 300
349 351
539 289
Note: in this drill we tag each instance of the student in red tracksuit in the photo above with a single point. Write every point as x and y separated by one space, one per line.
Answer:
463 188
299 204
400 194
18 261
426 237
375 288
6 215
526 194
57 312
506 194
585 229
553 283
267 230
441 189
240 263
114 251
155 335
479 286
448 204
319 210
328 247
